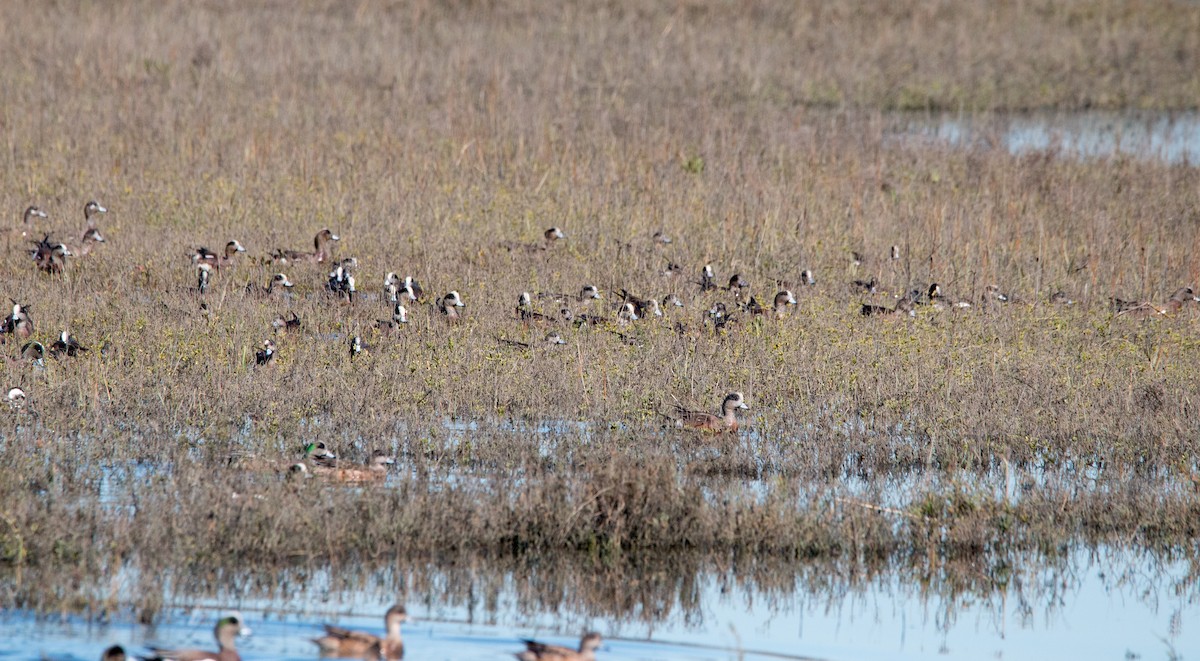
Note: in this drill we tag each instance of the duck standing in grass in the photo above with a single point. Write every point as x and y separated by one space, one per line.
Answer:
704 421
345 643
226 632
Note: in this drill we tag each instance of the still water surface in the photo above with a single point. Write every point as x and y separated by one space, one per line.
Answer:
1094 605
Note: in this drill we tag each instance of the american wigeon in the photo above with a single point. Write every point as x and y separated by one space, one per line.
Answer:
114 653
341 283
550 340
30 213
16 397
66 344
553 234
266 354
226 632
412 289
706 278
375 469
319 454
586 294
778 305
856 258
49 256
643 307
17 324
399 318
992 295
661 238
203 277
34 352
341 642
206 256
806 277
864 286
357 347
1174 304
1060 298
938 299
718 315
672 301
736 284
525 312
904 308
537 651
448 305
320 253
895 254
277 279
672 269
627 314
704 421
391 287
287 324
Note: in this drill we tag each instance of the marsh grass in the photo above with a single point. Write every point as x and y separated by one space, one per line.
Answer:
430 135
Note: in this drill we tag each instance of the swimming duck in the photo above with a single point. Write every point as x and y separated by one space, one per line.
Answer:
265 355
277 279
704 421
66 344
346 643
448 306
375 470
114 653
536 651
320 253
226 632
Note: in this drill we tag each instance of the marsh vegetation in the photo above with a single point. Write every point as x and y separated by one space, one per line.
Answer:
441 141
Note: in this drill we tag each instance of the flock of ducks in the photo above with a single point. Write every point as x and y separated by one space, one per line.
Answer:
339 642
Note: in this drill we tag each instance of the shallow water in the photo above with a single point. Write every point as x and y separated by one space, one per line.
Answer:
1093 605
1169 137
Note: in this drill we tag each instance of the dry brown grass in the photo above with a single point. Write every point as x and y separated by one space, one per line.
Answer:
428 135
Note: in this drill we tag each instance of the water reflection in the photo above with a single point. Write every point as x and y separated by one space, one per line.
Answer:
1169 137
1081 604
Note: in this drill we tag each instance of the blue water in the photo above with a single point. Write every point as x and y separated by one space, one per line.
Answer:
1090 606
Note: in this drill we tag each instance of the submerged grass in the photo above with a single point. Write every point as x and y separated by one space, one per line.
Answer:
430 136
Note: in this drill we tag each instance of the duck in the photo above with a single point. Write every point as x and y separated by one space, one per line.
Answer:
526 313
391 287
203 277
357 347
90 235
319 255
807 278
778 306
375 469
644 307
706 278
277 279
586 294
412 289
341 642
940 301
904 307
704 421
266 354
226 632
737 285
1060 297
627 314
993 296
288 324
66 344
399 318
205 256
718 316
114 653
864 286
538 651
671 301
553 338
18 324
34 352
448 305
341 283
49 256
1174 304
16 397
30 213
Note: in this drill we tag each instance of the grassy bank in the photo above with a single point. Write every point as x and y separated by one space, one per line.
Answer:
433 137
